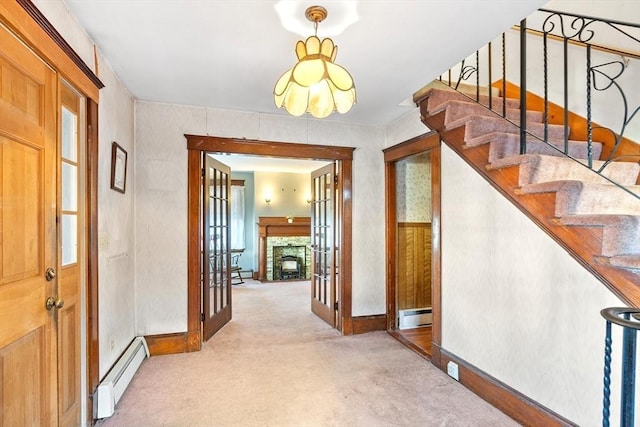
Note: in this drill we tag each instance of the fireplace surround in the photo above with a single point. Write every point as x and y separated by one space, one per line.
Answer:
277 231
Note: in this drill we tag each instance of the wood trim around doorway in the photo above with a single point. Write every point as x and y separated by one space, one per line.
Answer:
426 142
198 144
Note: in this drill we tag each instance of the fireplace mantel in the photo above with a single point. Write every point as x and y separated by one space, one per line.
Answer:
277 226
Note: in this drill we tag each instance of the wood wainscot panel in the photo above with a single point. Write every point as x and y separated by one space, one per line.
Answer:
414 265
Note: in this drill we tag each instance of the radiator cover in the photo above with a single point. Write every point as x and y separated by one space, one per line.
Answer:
116 381
414 318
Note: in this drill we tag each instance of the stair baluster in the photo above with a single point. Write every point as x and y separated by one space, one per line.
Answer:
629 320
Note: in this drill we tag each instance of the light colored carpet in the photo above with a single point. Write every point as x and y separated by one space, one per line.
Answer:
276 364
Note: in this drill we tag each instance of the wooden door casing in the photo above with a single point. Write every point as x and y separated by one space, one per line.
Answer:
196 145
28 359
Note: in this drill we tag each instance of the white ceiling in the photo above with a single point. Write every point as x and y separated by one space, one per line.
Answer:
229 53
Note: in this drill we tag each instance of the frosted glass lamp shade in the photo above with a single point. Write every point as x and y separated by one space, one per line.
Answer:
315 84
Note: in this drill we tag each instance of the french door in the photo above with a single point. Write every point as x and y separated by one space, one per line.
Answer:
216 248
324 301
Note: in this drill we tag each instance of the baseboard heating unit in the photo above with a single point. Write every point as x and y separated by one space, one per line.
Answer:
116 381
414 318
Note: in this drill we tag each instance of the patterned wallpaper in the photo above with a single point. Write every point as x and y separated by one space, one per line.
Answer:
413 188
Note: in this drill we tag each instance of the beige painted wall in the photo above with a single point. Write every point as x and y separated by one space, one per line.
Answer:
161 204
288 192
514 304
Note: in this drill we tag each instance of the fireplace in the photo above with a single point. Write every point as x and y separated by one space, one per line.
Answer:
289 262
277 232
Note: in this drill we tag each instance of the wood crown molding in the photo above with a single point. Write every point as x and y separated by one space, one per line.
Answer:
268 148
30 25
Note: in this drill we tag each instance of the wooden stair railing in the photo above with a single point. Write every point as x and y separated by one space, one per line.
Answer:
593 220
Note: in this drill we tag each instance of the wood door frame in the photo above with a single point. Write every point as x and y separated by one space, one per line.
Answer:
426 142
24 19
197 145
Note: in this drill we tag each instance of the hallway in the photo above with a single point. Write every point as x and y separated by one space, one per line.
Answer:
276 364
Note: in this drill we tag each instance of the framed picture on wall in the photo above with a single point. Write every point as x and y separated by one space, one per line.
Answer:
118 167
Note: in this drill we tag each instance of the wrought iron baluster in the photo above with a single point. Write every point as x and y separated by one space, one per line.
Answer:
490 79
628 375
545 71
504 76
621 317
523 86
565 57
606 399
589 126
477 75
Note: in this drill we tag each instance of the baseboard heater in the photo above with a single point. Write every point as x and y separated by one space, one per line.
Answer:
414 318
116 381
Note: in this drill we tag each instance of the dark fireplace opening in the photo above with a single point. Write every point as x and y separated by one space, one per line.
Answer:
289 262
290 267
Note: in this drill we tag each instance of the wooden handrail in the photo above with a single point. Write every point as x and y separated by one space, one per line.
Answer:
624 53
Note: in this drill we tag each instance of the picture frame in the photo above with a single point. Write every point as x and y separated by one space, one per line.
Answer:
118 168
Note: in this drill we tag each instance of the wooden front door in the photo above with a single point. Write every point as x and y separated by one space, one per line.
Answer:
216 247
323 251
28 241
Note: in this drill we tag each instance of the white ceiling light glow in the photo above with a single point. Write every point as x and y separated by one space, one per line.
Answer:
292 12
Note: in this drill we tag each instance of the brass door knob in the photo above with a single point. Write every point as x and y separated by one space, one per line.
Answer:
51 302
50 274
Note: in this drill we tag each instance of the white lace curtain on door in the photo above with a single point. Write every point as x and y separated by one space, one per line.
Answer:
237 217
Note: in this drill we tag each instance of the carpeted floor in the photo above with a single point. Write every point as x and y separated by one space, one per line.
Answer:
276 364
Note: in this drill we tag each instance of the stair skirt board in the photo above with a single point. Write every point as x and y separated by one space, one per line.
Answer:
116 381
414 318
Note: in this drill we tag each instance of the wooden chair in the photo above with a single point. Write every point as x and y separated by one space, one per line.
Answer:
235 268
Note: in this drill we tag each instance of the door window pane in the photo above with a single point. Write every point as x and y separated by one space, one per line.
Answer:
69 135
69 239
69 187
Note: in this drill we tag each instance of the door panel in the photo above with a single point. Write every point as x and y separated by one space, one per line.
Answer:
323 251
28 361
216 284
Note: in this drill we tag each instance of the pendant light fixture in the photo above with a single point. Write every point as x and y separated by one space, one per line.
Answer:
315 84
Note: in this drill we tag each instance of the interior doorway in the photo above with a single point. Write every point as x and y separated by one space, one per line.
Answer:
342 157
412 175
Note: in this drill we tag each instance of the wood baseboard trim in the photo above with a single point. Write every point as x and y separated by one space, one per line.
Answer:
513 403
166 343
364 324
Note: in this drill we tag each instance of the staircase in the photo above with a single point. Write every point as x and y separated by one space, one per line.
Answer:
597 222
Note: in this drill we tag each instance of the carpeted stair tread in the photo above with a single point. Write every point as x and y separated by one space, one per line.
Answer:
503 145
437 97
536 168
620 233
631 262
460 112
478 129
582 198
